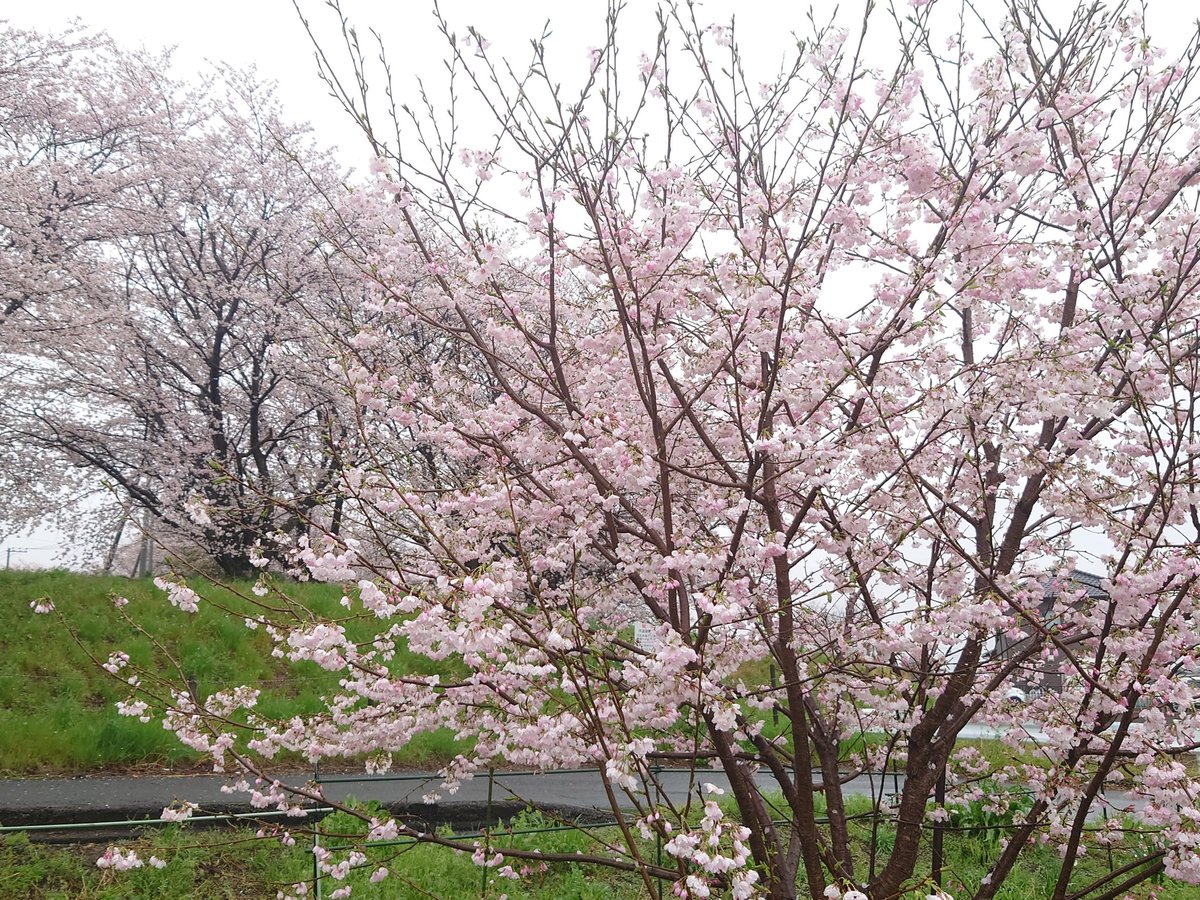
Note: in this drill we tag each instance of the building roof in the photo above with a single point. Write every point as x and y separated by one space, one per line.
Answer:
1077 579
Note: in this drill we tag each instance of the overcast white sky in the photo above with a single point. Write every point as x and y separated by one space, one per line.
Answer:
268 35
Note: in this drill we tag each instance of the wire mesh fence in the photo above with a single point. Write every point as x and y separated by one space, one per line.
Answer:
884 787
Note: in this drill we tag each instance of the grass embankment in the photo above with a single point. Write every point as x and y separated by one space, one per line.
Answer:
57 710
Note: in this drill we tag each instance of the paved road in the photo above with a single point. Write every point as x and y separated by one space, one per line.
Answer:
973 731
104 798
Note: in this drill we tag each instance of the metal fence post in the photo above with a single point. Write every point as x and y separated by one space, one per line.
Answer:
875 804
487 834
316 864
1107 845
658 844
317 836
939 797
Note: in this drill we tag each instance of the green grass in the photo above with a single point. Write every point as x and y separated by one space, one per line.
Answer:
969 854
214 864
57 710
230 862
57 715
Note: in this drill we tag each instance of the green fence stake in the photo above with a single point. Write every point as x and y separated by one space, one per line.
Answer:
316 865
487 832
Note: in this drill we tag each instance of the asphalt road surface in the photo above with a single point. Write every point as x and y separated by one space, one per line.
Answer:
112 798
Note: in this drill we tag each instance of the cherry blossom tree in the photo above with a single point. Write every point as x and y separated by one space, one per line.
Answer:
72 109
75 114
838 373
165 254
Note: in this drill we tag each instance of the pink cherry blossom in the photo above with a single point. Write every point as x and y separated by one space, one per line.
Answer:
869 409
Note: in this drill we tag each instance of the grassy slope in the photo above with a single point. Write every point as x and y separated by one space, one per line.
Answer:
56 704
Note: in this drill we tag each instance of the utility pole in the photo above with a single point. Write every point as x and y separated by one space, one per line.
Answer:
8 555
146 519
111 558
144 566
